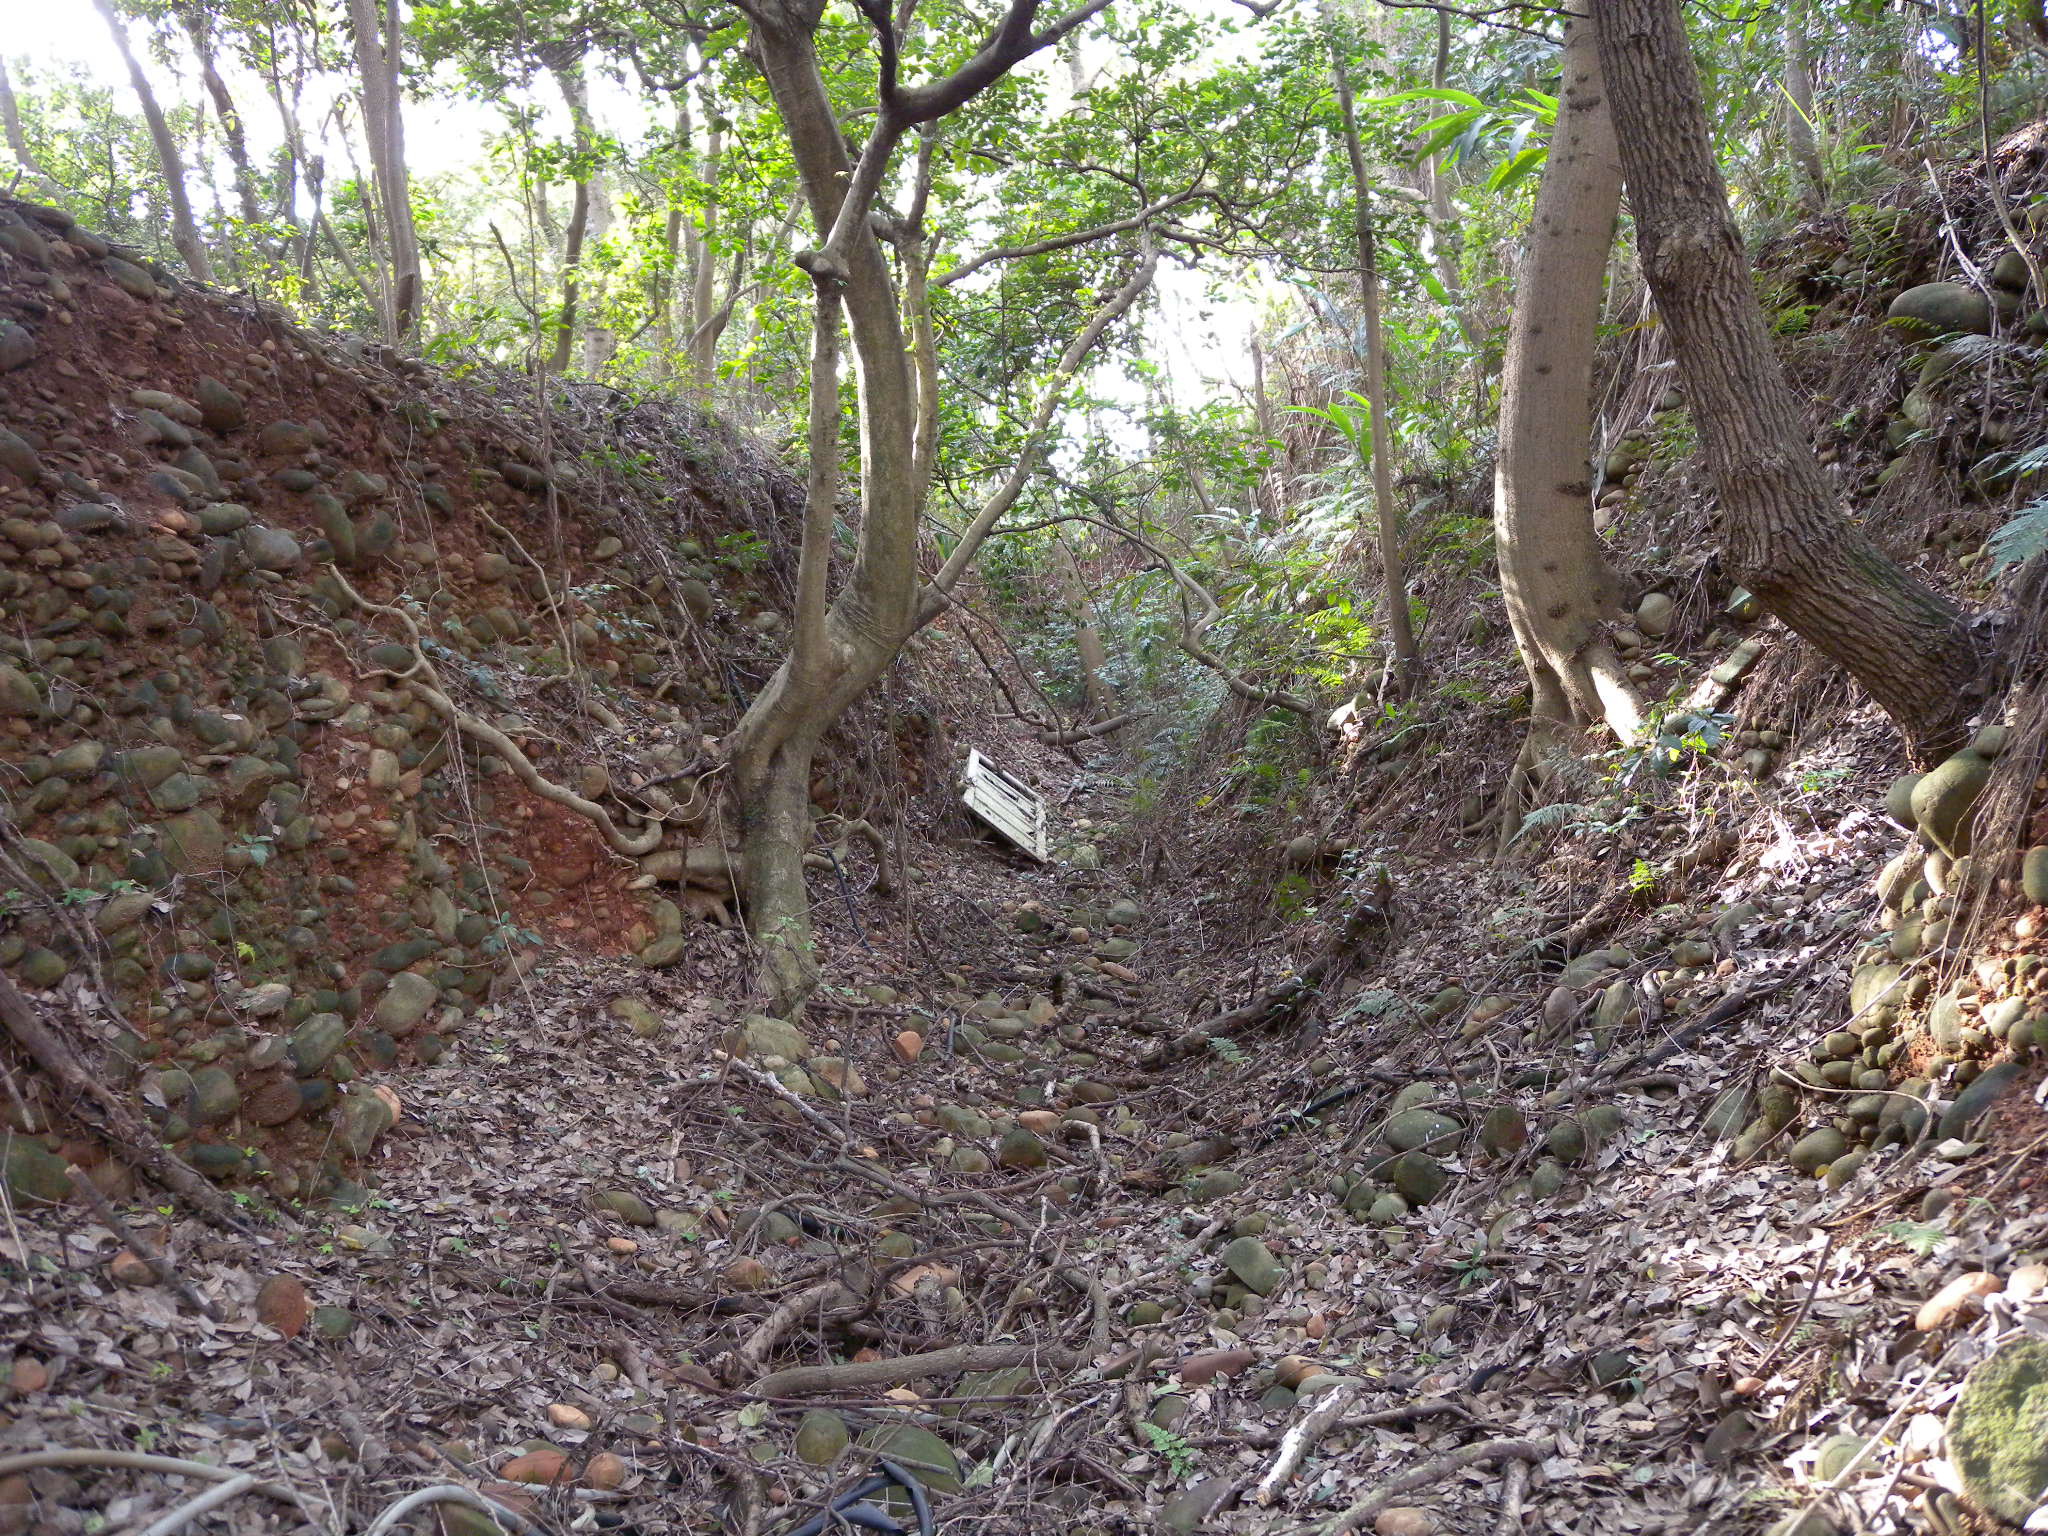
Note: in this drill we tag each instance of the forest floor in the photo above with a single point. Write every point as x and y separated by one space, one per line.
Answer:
624 1244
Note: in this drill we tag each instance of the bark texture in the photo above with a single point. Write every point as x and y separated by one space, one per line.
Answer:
1783 534
1554 574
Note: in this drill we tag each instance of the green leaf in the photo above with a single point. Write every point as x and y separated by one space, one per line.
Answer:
1429 93
1512 171
1444 130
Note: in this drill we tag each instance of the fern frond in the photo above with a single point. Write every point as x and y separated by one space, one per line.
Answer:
1555 814
2024 536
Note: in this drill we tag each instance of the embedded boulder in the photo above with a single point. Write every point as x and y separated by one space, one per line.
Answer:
1941 309
1998 1430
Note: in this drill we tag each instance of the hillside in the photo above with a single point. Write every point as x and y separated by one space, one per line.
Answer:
1265 1159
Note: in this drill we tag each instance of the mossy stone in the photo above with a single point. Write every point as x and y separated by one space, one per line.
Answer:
1419 1177
821 1437
1816 1150
1422 1130
920 1451
1998 1430
1253 1263
1945 797
1941 309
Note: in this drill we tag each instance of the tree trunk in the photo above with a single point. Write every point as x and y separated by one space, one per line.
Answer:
1406 660
590 217
1799 126
1443 216
184 231
379 44
1099 698
1783 534
1553 572
842 647
17 140
232 131
707 320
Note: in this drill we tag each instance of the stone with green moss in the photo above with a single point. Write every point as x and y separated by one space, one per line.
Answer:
1998 1430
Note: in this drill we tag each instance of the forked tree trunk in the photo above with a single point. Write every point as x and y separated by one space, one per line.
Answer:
1782 532
378 44
232 131
1553 573
184 231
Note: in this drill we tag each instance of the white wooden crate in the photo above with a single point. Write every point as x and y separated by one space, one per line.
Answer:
1006 803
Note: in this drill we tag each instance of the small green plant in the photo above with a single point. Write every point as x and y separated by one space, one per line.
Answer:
742 549
506 934
1919 1236
257 847
1180 1457
1472 1269
1228 1049
1642 879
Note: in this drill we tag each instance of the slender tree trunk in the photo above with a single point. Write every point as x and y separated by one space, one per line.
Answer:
1553 572
1784 536
184 230
707 318
1098 696
1406 660
1443 216
233 134
17 140
589 219
1800 138
379 45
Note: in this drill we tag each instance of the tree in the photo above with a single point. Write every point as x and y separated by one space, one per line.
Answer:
842 644
1553 573
184 229
1784 536
379 45
1406 659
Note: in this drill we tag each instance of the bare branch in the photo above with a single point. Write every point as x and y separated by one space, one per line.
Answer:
934 599
1010 44
1066 241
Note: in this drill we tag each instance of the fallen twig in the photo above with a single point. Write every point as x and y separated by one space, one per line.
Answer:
808 1380
1513 1486
1302 1438
137 1461
120 1123
142 1248
1429 1472
753 1354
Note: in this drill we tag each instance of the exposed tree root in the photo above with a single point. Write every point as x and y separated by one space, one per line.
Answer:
119 1123
425 683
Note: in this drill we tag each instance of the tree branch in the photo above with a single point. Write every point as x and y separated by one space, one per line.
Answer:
1066 241
941 585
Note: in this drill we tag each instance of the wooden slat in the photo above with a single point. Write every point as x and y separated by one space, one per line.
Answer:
1006 803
